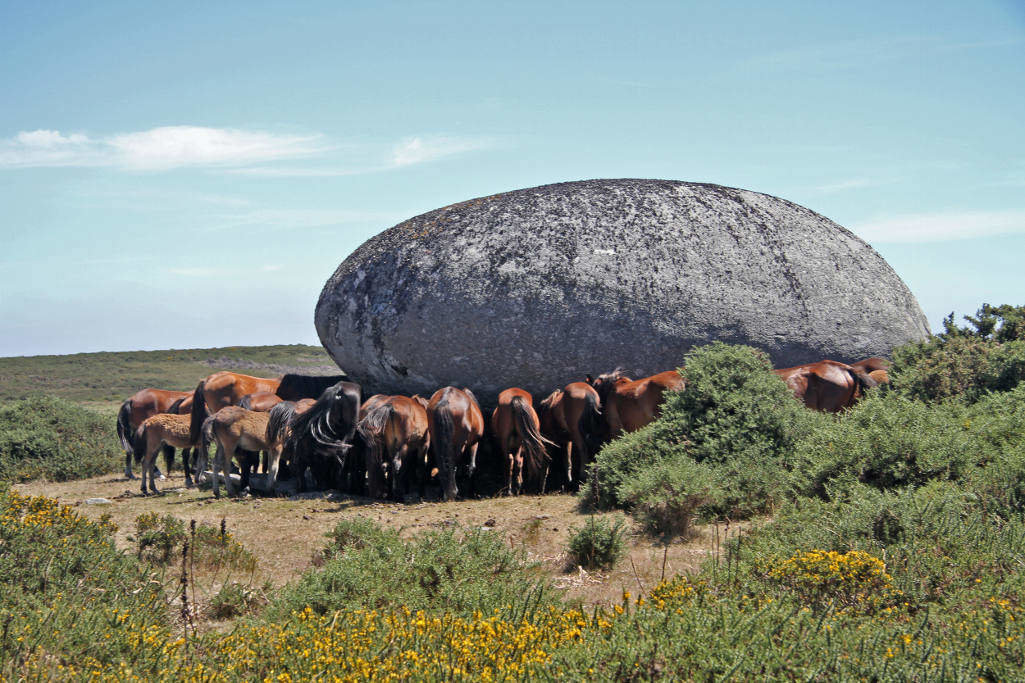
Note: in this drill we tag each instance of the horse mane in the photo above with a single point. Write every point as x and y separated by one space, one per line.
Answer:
281 415
173 408
294 386
246 402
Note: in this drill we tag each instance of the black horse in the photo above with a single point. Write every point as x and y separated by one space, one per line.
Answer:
321 440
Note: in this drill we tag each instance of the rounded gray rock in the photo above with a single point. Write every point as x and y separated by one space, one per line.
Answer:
537 287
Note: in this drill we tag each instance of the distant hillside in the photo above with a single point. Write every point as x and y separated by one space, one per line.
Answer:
105 379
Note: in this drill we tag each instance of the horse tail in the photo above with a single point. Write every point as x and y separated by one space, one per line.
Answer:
529 435
280 418
863 380
246 402
124 427
174 407
372 430
442 429
207 434
591 425
198 414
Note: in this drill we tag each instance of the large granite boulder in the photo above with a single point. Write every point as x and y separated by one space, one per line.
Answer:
535 288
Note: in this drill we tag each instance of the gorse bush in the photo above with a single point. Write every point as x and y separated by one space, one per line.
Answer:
966 362
159 540
598 544
55 439
68 595
735 419
371 567
824 578
888 441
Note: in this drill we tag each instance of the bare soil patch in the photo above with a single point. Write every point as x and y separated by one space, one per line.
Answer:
286 534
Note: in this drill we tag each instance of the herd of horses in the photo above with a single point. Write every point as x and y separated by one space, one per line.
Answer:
319 430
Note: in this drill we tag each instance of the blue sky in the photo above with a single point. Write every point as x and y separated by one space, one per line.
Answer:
190 174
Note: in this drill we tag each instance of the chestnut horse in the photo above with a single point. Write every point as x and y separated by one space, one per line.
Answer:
167 431
223 389
236 430
631 404
261 401
394 431
518 436
571 418
456 425
828 385
872 364
139 406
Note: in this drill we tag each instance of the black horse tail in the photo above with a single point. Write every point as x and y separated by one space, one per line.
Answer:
199 413
175 407
246 402
591 425
442 429
280 418
863 380
124 427
530 437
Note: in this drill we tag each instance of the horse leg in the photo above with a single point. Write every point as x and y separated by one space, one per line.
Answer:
144 468
128 466
583 457
519 469
187 462
218 464
230 455
275 460
400 466
570 479
473 469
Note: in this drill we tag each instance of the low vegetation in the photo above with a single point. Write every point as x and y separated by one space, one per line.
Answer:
105 379
894 550
55 439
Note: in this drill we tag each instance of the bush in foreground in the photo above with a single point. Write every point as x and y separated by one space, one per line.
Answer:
598 544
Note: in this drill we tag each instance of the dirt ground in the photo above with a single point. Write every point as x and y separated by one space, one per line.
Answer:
285 534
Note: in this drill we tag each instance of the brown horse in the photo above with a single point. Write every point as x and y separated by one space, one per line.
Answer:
872 364
828 385
223 389
571 418
261 401
135 409
394 431
518 436
167 431
235 429
631 404
456 425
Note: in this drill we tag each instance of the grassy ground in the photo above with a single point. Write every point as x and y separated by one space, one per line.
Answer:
286 534
103 380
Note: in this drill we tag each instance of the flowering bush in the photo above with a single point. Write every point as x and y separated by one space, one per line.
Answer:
853 579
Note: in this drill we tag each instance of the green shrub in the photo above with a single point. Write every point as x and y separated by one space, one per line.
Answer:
735 417
373 568
597 544
157 538
665 497
965 362
235 599
55 439
68 596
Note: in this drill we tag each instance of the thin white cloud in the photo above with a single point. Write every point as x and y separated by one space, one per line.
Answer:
941 227
155 149
418 150
408 152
